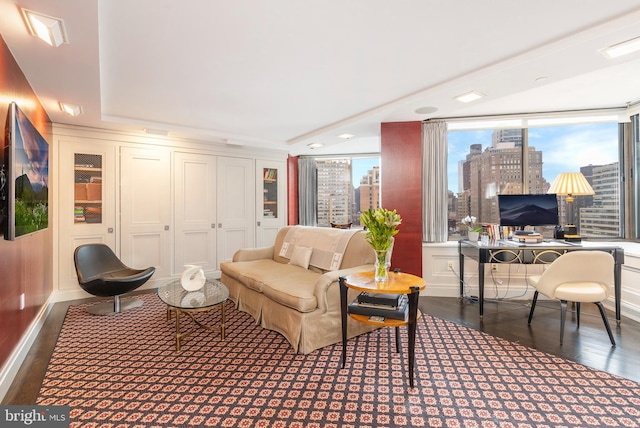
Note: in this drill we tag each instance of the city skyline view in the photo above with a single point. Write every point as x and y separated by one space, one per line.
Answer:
565 148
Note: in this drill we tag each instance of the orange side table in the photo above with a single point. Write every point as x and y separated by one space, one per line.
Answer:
398 283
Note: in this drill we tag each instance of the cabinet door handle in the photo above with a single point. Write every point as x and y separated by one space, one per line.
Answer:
110 230
258 223
166 227
219 225
213 225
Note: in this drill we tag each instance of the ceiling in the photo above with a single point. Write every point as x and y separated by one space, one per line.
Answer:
282 74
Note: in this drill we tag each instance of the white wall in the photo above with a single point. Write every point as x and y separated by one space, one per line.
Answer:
508 281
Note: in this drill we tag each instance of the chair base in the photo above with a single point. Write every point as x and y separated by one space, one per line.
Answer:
114 306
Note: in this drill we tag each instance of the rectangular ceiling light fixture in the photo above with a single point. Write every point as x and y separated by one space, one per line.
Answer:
469 96
71 109
623 48
45 27
159 132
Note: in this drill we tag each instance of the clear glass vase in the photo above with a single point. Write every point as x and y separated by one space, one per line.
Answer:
382 265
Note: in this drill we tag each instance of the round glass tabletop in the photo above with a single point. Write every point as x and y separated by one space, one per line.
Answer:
212 293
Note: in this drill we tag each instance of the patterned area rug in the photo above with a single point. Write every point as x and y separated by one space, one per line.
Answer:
122 371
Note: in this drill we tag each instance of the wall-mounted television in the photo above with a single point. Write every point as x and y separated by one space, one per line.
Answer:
528 210
24 177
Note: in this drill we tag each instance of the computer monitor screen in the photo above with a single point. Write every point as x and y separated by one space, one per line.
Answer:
528 210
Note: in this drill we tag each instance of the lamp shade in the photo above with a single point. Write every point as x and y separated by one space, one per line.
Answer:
571 184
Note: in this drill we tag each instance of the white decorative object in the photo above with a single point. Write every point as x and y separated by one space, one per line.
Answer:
192 278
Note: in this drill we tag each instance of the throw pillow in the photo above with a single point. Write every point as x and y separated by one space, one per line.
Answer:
300 256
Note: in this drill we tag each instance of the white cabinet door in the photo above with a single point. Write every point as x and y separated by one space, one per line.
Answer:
270 200
195 211
236 206
86 202
145 193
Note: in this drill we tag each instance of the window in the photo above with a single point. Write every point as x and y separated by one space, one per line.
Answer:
485 163
346 187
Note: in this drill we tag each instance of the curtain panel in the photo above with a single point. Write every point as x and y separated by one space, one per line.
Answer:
307 192
434 170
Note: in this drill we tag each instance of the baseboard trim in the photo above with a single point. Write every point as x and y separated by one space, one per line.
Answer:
15 360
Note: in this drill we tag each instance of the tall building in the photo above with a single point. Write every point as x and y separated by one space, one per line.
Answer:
603 217
335 191
506 136
497 170
370 190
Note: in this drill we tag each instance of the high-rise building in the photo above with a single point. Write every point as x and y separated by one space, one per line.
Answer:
603 217
506 136
335 191
497 170
370 190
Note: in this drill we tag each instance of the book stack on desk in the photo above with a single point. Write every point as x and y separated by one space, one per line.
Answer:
528 237
391 306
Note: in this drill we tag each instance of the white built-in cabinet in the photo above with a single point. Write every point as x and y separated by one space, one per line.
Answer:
236 206
270 201
164 206
195 211
214 209
145 207
86 206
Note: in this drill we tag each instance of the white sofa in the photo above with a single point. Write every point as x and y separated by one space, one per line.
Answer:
292 287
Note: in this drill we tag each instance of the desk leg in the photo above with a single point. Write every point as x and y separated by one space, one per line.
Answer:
412 327
343 313
481 288
617 279
461 269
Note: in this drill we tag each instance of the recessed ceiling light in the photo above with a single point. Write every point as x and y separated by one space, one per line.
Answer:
315 145
71 109
426 110
346 136
47 28
469 96
621 49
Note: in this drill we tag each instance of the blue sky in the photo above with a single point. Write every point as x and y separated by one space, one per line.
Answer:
564 148
360 167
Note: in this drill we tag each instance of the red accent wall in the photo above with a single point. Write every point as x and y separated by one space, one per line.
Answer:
26 264
292 190
401 189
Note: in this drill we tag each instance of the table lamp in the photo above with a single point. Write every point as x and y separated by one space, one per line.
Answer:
570 184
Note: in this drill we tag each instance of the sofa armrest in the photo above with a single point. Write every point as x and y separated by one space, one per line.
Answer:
248 254
333 277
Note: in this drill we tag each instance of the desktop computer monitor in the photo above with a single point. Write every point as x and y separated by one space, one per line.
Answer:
528 210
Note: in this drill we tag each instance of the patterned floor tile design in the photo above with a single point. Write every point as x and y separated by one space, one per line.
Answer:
122 371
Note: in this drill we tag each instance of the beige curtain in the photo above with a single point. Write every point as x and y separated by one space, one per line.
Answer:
434 171
307 192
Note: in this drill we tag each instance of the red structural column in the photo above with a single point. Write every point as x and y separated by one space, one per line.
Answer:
292 190
401 189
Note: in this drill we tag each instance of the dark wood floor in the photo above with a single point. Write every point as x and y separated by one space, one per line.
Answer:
588 345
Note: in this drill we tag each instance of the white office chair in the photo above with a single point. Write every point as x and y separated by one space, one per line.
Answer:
580 277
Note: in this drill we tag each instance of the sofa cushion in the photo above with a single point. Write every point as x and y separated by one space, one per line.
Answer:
254 273
295 290
301 256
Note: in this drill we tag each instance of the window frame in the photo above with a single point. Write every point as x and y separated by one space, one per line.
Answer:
623 190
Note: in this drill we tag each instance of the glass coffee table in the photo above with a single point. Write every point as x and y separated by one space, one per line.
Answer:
183 302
